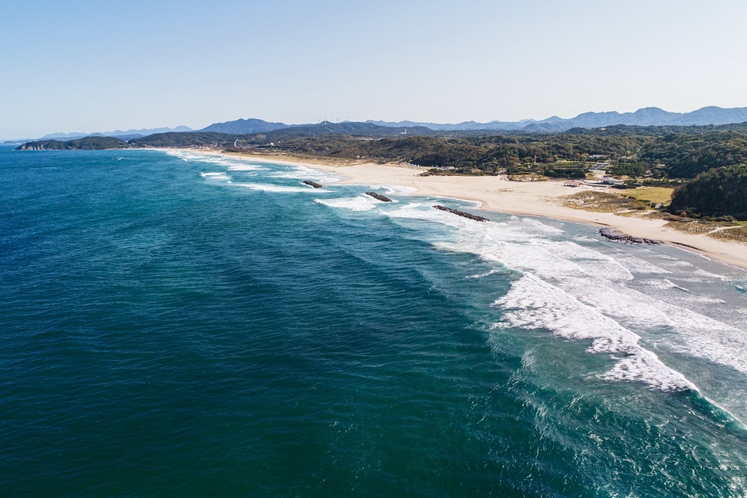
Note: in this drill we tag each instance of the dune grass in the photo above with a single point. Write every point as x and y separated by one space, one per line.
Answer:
660 195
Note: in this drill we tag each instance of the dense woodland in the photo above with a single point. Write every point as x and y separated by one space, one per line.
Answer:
642 154
717 192
686 156
88 143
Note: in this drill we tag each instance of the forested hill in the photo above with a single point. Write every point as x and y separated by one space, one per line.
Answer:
352 129
655 131
87 143
717 192
192 139
209 139
687 155
244 127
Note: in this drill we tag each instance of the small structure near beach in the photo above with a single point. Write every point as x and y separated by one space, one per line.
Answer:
608 180
312 184
461 213
379 197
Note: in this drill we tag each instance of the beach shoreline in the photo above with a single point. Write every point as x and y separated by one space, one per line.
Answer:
496 194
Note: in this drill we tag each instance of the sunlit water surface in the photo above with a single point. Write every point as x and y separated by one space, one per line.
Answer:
183 324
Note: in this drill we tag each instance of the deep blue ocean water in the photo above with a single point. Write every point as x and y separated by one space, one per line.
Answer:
182 324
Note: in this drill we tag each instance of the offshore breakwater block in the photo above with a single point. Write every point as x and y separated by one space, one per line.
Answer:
461 213
312 184
615 236
379 197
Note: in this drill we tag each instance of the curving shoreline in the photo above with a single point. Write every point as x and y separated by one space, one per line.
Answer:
541 199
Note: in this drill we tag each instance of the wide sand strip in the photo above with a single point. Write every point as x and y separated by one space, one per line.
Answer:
524 198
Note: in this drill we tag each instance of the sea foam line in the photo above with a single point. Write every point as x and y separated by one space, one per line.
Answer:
600 283
360 203
269 187
534 304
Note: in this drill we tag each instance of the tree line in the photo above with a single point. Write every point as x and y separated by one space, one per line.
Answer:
713 157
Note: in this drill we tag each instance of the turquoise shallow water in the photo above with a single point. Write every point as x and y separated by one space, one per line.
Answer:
176 324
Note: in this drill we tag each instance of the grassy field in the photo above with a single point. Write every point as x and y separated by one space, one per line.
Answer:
652 194
602 202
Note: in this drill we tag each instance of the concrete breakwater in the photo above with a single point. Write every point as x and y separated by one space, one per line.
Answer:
461 213
312 184
615 236
379 197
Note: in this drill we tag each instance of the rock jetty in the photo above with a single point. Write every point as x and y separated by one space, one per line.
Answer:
615 236
312 184
461 213
379 197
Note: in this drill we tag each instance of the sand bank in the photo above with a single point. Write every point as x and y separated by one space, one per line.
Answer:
495 193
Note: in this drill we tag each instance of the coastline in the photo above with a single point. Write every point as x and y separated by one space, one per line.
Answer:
541 199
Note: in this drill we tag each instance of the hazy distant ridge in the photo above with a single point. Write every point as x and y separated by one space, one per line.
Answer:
648 116
116 133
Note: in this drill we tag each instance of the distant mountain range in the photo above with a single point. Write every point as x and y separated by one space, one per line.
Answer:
648 116
124 135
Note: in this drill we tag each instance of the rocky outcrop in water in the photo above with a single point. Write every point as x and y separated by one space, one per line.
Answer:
32 146
379 197
461 213
615 236
312 184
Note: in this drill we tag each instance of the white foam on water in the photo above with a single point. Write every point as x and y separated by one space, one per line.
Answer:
320 176
486 274
284 175
593 295
584 238
710 275
638 265
360 203
698 335
269 187
682 266
244 167
541 227
215 176
181 154
661 284
395 189
216 159
534 304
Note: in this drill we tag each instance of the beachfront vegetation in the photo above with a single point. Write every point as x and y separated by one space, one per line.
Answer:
717 192
603 202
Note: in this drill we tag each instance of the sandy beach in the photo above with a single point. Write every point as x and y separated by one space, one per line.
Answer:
543 199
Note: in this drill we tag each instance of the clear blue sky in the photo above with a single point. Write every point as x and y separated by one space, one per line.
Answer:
88 65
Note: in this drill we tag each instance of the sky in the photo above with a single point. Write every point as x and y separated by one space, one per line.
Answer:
86 66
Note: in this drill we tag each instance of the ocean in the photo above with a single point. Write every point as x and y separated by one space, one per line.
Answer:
180 324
